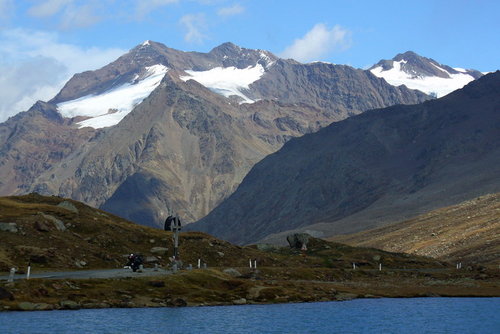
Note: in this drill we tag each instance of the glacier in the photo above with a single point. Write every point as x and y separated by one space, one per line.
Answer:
227 81
428 84
109 108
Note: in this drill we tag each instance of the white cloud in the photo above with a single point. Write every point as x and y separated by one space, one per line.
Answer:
195 25
317 43
48 7
69 13
144 7
6 7
231 11
35 66
79 17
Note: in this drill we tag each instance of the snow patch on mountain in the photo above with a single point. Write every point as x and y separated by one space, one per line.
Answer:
431 85
109 108
227 81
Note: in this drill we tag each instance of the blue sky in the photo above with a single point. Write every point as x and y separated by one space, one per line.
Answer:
44 42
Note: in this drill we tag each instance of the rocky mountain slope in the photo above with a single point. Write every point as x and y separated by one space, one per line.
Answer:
162 130
383 166
424 74
468 232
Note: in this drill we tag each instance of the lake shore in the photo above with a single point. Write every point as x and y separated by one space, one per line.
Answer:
240 286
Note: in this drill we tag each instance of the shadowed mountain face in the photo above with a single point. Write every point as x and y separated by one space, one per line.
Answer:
189 143
372 169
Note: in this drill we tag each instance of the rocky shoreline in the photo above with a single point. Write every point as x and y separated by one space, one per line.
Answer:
237 286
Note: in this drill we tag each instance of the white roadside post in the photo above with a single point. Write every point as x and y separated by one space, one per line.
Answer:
11 275
380 267
28 272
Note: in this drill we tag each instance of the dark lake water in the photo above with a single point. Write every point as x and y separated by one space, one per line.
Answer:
416 315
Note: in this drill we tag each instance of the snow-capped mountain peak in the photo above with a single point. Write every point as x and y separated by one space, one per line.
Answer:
110 107
424 74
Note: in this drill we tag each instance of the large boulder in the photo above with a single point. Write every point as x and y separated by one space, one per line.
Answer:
68 206
233 272
298 240
59 225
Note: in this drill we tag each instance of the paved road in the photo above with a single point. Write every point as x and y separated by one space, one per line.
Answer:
101 273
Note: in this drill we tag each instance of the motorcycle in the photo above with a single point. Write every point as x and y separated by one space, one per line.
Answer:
135 261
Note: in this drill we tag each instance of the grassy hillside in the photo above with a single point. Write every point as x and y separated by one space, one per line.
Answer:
58 233
467 232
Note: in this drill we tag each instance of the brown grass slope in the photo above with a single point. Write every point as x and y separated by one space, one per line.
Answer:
469 231
102 240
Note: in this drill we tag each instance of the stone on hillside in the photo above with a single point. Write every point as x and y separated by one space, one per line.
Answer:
9 227
178 302
80 264
233 272
297 240
57 222
41 226
159 250
68 206
343 296
241 301
5 294
27 306
151 259
69 305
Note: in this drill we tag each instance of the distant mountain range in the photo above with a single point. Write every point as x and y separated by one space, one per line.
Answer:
424 74
379 167
161 130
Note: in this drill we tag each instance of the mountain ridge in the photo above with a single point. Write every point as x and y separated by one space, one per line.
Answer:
424 74
441 151
184 147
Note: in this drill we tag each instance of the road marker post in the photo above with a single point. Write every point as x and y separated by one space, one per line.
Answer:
11 275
